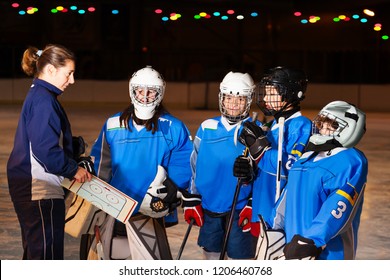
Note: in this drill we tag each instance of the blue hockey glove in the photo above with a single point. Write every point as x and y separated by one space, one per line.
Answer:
301 248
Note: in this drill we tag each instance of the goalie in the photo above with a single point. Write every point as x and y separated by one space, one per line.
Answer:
136 151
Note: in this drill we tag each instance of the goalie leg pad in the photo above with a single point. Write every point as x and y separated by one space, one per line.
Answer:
270 244
147 238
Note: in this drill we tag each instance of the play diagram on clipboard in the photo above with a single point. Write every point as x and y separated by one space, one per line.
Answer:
103 196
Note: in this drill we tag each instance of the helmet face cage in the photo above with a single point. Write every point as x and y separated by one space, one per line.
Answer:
289 83
144 95
269 98
328 125
234 107
235 96
341 122
146 89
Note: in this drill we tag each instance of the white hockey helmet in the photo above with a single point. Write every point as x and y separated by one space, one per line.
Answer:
236 84
150 86
347 122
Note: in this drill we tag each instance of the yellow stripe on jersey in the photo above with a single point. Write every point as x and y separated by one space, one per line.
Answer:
351 195
298 149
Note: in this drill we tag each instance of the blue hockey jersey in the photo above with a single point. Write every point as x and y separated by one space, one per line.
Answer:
216 147
297 131
128 160
323 201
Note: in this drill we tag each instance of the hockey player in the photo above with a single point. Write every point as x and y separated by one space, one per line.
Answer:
281 91
216 146
144 152
321 205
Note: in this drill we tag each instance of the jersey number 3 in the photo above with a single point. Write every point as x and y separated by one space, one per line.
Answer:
340 210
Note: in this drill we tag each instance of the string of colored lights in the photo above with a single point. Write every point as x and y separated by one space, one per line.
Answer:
344 18
224 16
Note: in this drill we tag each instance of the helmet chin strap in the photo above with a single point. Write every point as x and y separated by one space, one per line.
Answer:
286 113
234 120
327 146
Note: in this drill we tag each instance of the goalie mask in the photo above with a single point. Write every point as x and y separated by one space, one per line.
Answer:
338 124
147 89
280 89
235 96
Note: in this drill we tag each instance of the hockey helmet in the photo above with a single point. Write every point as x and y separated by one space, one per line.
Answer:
289 83
147 88
339 124
235 95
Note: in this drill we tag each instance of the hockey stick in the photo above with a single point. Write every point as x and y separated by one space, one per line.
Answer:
280 151
99 245
234 203
183 244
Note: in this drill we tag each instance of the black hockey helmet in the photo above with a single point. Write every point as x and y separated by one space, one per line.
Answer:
290 84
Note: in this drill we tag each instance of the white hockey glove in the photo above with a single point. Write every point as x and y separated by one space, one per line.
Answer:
301 248
161 197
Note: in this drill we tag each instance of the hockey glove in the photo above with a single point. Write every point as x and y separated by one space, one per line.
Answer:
79 147
244 168
87 163
253 137
255 229
171 200
301 248
192 206
245 217
152 205
161 197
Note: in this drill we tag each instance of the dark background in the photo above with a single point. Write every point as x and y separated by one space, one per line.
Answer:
112 47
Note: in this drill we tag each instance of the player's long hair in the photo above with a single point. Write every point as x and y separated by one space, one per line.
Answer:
150 125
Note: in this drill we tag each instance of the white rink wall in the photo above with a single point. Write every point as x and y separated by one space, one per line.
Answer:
202 95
